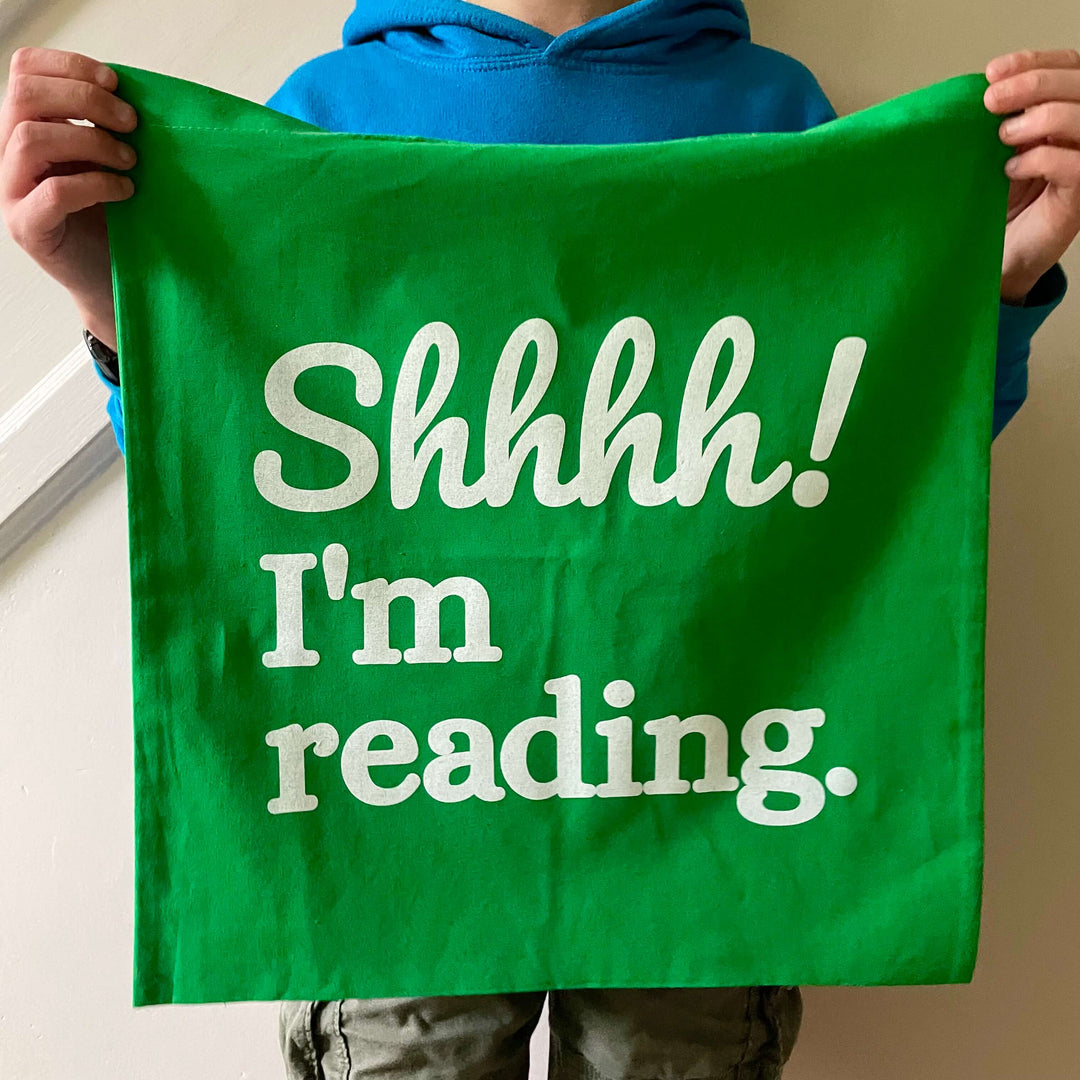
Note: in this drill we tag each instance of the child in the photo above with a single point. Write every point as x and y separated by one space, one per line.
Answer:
548 71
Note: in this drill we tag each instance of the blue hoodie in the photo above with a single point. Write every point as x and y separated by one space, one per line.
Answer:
656 69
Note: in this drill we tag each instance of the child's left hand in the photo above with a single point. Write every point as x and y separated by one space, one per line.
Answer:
1043 215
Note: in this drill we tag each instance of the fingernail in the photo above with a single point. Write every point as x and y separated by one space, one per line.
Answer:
1011 166
127 114
1009 127
127 155
105 76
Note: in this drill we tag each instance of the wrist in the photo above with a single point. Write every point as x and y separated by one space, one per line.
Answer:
105 359
1046 288
102 326
104 331
1017 280
1015 291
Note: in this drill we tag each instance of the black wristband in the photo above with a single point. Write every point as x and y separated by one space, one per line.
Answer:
106 359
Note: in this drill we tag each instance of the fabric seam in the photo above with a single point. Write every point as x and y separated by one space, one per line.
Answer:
309 1038
346 1055
749 1031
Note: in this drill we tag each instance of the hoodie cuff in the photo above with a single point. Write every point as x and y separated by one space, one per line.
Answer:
113 405
1017 324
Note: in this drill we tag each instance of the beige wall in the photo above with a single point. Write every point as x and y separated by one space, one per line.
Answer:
65 694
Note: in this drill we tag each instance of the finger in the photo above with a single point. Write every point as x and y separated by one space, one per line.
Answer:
47 97
43 211
1057 120
35 145
1016 92
1026 59
29 60
1058 164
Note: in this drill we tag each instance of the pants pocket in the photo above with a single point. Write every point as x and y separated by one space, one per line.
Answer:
464 1037
295 1037
782 1010
672 1033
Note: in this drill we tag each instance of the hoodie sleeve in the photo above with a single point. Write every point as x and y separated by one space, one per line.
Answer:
1017 323
112 405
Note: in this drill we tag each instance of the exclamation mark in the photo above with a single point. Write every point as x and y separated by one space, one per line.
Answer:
811 487
335 560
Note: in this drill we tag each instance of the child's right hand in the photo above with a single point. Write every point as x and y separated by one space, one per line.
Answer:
51 195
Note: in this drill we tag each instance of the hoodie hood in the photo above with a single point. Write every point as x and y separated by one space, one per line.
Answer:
653 70
648 32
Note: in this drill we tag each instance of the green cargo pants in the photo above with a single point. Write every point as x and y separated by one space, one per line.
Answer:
732 1033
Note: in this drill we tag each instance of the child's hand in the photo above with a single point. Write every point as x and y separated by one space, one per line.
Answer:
1044 196
51 194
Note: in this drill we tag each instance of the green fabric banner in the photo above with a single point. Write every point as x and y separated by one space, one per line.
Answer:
543 575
